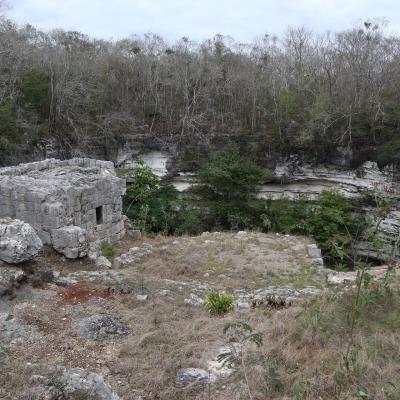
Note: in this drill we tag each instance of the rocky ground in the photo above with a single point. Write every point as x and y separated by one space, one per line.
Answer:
139 330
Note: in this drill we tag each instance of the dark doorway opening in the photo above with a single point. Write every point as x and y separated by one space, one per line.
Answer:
99 215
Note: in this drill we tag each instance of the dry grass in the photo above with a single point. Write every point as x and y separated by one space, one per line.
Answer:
302 353
227 262
305 348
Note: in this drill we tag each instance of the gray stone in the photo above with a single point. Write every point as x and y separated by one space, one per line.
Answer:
134 255
11 329
103 263
313 251
286 293
99 327
76 383
10 279
94 250
337 278
298 248
142 297
82 380
242 305
187 376
317 261
71 241
218 368
194 300
135 234
18 241
241 235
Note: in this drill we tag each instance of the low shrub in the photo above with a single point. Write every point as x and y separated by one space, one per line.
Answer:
218 303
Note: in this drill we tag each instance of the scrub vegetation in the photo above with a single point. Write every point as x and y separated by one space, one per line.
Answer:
302 92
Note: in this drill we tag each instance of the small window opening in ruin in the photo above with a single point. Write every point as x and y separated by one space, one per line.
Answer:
99 215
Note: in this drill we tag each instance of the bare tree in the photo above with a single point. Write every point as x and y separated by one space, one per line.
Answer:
303 91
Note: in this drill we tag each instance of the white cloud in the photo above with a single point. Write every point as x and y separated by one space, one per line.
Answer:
199 19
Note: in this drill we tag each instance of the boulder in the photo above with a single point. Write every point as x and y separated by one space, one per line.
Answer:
298 247
337 278
135 234
19 242
317 262
187 376
242 305
75 383
313 251
71 241
78 380
194 300
103 263
218 367
134 255
99 327
10 278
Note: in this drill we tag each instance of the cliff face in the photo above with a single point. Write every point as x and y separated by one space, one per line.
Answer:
293 176
179 158
292 179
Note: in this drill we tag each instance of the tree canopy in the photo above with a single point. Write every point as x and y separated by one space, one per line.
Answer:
302 91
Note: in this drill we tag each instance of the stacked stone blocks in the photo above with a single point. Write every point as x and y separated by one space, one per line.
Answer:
67 202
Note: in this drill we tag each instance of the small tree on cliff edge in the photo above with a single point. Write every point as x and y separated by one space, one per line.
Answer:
228 184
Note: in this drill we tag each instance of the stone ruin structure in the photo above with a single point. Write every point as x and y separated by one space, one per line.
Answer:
69 203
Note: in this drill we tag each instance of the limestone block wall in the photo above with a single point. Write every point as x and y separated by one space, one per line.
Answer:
52 194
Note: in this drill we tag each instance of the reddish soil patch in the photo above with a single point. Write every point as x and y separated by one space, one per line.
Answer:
81 293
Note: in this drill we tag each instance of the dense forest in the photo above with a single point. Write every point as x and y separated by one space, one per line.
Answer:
303 91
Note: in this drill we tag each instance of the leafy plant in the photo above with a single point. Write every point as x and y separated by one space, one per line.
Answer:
300 390
273 380
330 220
218 303
240 333
152 204
227 186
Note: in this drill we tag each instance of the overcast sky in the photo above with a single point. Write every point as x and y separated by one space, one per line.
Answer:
199 19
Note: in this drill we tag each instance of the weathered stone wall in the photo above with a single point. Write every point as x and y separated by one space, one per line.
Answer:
52 194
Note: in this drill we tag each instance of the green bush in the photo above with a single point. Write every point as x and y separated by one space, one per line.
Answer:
218 303
189 220
330 220
285 216
227 186
156 206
